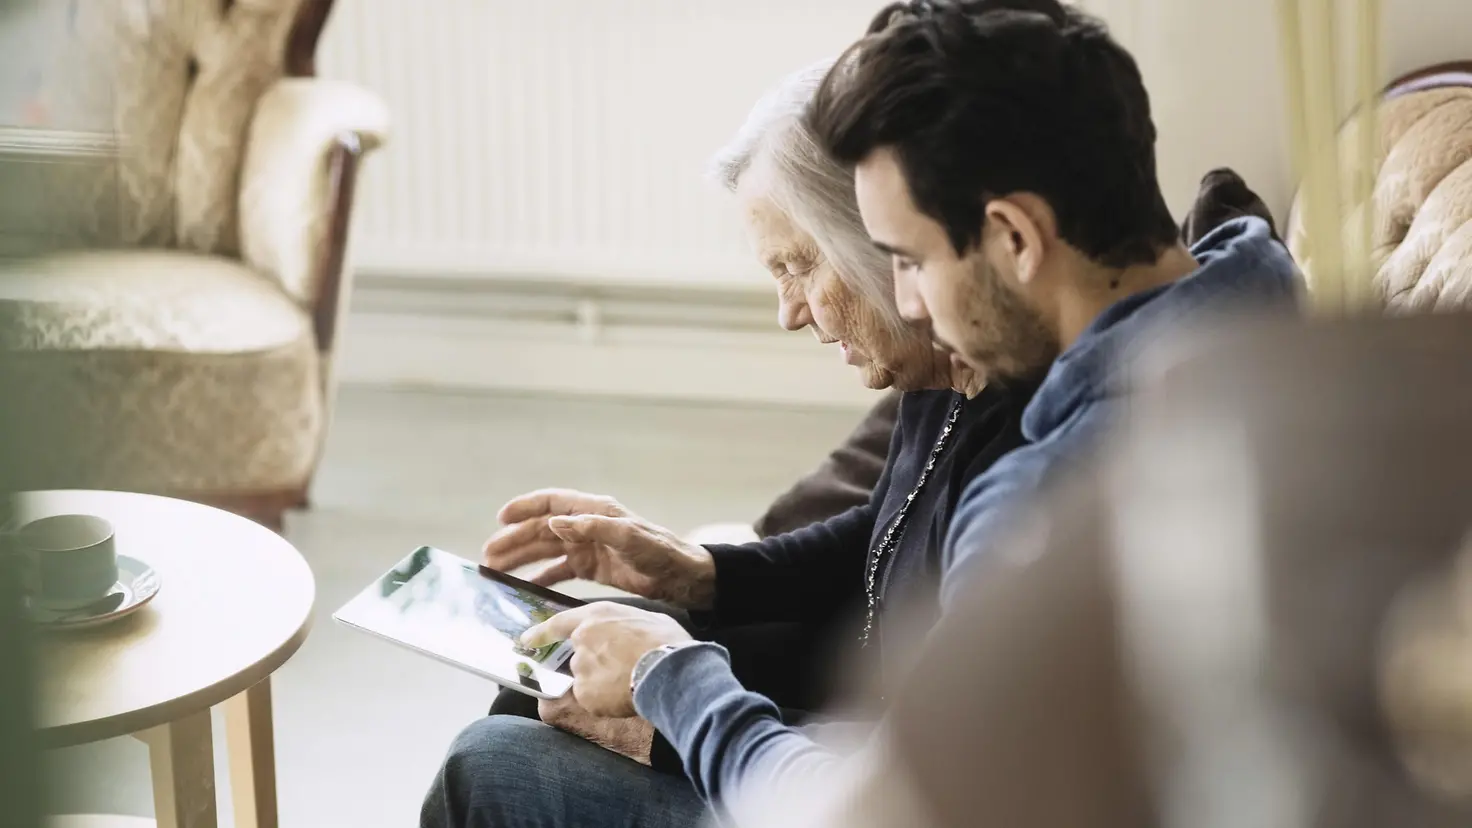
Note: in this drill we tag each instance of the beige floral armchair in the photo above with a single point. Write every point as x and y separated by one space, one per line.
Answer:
183 344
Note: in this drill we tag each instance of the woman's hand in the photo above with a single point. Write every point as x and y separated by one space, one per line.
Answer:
598 539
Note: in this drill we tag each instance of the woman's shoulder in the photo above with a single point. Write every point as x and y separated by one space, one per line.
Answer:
1013 394
989 423
997 402
919 407
915 403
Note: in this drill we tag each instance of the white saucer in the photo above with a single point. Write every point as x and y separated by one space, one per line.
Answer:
137 584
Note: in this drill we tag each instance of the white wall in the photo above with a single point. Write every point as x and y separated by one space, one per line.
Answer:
567 139
547 156
541 142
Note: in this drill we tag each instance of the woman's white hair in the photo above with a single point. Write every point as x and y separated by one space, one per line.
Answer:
812 189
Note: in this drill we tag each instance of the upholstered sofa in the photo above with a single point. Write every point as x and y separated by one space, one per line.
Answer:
181 343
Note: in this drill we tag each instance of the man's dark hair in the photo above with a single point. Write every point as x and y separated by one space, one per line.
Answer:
983 98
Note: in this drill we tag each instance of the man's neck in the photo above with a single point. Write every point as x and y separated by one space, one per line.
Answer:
1101 287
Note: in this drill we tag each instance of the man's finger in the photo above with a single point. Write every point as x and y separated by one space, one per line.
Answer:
559 627
575 665
545 502
554 574
617 532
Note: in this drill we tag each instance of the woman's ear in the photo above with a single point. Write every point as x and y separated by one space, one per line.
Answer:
1020 234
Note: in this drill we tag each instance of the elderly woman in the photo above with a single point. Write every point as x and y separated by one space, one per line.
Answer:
771 603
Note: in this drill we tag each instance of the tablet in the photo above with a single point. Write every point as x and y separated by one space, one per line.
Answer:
468 616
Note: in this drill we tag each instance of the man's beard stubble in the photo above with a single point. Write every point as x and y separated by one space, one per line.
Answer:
1005 336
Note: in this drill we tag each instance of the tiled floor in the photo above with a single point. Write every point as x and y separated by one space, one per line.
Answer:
361 725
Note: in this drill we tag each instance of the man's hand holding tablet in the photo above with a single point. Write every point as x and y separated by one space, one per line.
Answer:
608 640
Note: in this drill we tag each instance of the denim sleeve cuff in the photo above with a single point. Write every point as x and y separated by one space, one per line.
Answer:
681 687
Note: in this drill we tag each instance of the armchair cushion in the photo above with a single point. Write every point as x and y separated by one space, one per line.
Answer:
1422 238
178 83
160 371
285 203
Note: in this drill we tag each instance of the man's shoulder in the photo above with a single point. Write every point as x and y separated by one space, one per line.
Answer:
982 503
989 499
1024 467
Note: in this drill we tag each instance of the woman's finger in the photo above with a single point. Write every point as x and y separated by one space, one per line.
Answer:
547 502
631 542
616 532
509 538
510 556
555 574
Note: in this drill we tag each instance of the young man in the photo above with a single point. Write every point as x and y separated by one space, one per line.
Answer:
1005 159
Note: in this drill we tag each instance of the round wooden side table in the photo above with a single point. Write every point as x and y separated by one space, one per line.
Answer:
235 604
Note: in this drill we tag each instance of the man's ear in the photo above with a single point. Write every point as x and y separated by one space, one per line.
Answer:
1021 232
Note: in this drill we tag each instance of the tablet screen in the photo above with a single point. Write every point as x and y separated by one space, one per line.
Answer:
453 609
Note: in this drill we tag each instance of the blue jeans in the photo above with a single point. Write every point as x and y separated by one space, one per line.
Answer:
513 772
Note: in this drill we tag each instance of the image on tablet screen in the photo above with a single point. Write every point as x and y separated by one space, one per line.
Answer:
454 598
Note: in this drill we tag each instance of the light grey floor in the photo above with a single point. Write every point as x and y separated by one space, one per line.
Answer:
361 725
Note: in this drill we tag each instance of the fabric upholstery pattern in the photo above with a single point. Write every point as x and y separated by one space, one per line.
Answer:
146 300
219 152
284 197
159 371
1422 236
178 82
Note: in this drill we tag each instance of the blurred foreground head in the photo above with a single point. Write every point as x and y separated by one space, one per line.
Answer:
20 779
20 773
1256 608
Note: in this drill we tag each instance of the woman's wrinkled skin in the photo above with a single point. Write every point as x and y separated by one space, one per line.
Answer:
812 295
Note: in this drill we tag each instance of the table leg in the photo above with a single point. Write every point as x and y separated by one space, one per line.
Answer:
182 755
252 746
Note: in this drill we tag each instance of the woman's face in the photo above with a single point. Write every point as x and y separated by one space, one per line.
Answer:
811 295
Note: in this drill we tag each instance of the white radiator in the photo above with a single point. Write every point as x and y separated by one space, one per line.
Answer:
566 138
